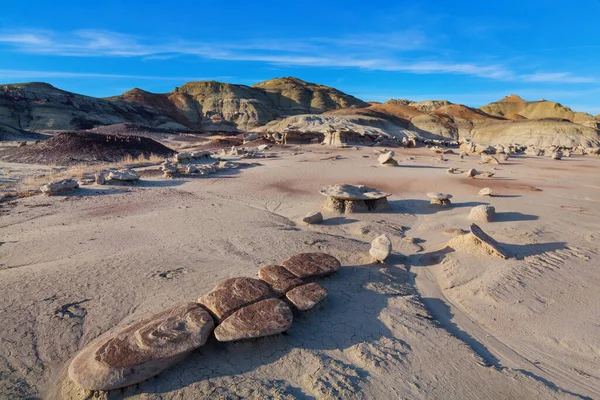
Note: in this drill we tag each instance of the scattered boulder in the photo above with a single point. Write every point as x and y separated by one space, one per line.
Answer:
191 169
200 154
279 278
124 175
181 157
250 137
143 349
306 296
485 192
62 186
311 265
263 147
100 179
169 169
482 213
440 199
264 318
472 173
557 155
386 159
233 294
313 218
352 199
381 248
487 159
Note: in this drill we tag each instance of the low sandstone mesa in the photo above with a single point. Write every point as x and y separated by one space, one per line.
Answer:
344 198
306 296
63 186
143 349
381 248
280 279
311 265
233 294
264 318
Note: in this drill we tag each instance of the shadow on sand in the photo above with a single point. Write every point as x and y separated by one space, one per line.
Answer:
415 206
515 216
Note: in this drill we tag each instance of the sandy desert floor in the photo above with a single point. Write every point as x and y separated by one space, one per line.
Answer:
431 323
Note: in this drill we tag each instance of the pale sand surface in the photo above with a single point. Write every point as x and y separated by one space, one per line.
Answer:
431 323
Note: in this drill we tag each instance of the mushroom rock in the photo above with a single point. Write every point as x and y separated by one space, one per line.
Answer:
306 296
440 199
311 265
143 349
234 293
267 317
279 278
352 199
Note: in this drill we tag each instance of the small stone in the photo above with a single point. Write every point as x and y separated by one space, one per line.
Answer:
65 185
485 192
471 173
263 147
179 157
381 248
557 155
482 213
191 169
143 349
307 296
313 218
487 159
200 154
100 179
233 294
311 265
280 279
267 317
385 157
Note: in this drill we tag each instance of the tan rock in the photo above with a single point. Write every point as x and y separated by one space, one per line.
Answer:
482 213
126 175
313 218
471 173
311 265
233 294
487 241
485 192
440 199
143 349
381 247
65 185
307 296
280 279
267 317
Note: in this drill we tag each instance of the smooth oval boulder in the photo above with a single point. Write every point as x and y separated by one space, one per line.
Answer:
65 185
482 213
123 175
279 278
143 349
233 294
381 248
306 296
311 265
267 317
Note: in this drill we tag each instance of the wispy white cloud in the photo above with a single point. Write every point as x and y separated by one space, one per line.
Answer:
11 74
380 52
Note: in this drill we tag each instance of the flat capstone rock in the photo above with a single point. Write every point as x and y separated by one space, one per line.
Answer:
233 294
352 192
279 278
143 349
267 317
306 296
311 265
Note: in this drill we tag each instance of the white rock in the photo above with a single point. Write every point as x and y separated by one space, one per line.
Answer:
183 157
123 175
100 179
482 213
485 192
191 169
313 218
385 157
381 247
65 185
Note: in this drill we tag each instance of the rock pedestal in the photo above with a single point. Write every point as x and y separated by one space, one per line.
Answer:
347 199
440 199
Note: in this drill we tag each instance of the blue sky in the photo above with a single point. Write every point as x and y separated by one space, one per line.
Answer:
468 52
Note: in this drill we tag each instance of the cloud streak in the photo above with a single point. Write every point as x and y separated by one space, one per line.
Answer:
377 52
30 74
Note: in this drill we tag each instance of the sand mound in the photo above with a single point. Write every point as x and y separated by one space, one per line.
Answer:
73 147
470 244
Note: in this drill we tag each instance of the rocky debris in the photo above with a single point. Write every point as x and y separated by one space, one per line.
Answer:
100 179
191 169
263 147
169 169
453 170
440 150
352 199
200 154
487 241
86 181
381 248
311 265
463 154
250 137
485 192
482 213
387 159
472 173
504 157
306 296
487 159
183 157
21 144
313 218
62 186
557 155
234 293
264 318
533 151
123 175
440 199
143 349
487 174
279 278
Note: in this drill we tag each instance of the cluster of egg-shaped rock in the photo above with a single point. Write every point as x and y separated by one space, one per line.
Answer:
236 309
